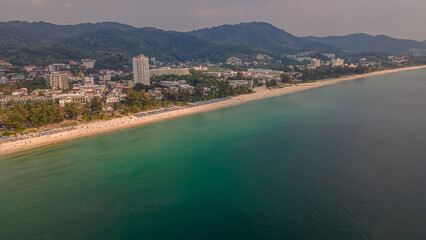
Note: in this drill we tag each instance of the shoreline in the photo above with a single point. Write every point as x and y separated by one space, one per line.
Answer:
100 127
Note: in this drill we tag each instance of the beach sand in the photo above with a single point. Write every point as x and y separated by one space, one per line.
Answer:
98 127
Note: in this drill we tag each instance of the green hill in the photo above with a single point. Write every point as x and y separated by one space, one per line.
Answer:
262 35
112 44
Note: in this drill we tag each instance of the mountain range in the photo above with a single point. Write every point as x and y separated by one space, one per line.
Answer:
362 42
113 44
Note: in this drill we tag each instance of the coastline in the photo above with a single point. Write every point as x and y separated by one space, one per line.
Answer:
99 127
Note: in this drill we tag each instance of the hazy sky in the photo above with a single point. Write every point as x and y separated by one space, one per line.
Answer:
397 18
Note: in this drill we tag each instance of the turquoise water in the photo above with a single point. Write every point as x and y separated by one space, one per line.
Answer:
346 161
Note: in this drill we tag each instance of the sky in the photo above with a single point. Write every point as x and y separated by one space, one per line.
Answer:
395 18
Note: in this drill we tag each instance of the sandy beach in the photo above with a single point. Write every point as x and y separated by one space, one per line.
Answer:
98 127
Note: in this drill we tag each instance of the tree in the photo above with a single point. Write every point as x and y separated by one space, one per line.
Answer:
286 78
125 110
15 118
56 113
199 91
115 107
138 99
271 83
71 111
38 115
96 105
133 98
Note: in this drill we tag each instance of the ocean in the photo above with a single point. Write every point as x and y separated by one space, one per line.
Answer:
346 161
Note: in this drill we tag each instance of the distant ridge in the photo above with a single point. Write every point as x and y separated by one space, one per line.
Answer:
361 42
42 32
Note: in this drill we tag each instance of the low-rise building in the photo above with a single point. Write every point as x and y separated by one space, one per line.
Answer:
315 63
263 73
22 100
172 83
169 71
4 65
57 67
88 81
337 62
239 83
234 61
88 63
71 98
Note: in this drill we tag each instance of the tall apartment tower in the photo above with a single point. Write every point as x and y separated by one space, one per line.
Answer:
57 80
141 70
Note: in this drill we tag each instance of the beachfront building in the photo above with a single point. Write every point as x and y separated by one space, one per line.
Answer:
263 73
57 80
22 100
239 83
141 70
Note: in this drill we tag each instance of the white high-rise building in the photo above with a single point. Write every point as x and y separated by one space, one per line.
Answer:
57 80
141 70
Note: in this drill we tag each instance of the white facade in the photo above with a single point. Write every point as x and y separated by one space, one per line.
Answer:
338 62
57 80
141 70
330 55
88 81
315 63
234 61
169 71
58 67
88 63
